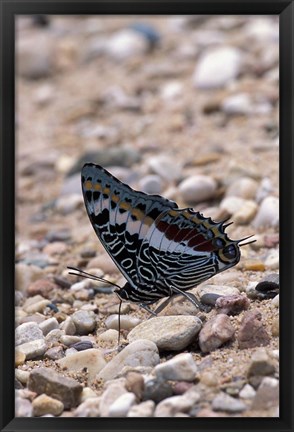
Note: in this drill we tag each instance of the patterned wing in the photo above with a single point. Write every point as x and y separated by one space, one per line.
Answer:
186 248
121 216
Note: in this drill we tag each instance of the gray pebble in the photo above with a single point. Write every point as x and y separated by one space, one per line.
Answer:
247 392
69 340
180 367
23 407
165 167
156 390
48 325
125 44
54 336
120 407
151 184
27 332
84 322
217 67
137 353
34 64
91 359
127 322
43 380
168 332
144 409
224 402
219 290
174 405
54 353
33 349
260 364
68 326
113 391
267 395
89 408
197 188
268 213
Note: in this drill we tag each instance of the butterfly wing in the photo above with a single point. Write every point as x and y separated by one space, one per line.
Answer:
121 216
185 249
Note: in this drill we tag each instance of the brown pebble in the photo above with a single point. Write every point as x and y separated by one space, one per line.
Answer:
215 332
135 384
254 265
275 327
43 287
19 358
252 333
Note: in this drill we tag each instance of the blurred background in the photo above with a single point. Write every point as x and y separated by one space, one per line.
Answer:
182 106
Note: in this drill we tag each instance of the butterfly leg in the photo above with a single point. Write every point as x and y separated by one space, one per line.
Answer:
144 306
191 298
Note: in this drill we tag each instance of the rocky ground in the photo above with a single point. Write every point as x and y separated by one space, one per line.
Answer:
186 107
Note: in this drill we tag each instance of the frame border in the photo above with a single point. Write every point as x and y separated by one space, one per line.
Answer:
8 10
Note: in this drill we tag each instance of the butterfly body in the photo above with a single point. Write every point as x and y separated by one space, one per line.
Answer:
159 248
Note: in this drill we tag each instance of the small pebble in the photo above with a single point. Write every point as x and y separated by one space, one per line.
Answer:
219 290
22 376
92 360
127 322
243 187
252 332
33 349
224 402
232 305
84 322
120 407
48 325
254 265
54 353
19 358
137 353
89 408
171 406
165 167
197 188
114 390
43 380
168 332
267 395
217 67
181 367
44 404
135 384
156 390
215 332
260 364
272 261
43 287
68 326
268 213
247 392
27 332
151 184
144 409
23 407
108 336
276 301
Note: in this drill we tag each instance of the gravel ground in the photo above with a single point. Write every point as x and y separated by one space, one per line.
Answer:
185 107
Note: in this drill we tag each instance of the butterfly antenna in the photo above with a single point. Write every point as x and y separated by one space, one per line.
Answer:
86 275
119 309
247 243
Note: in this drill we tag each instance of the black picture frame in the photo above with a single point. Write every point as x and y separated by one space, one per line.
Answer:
285 10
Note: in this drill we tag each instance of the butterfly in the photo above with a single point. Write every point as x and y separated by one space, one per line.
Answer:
160 249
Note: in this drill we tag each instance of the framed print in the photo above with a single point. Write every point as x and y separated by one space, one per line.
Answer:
146 216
